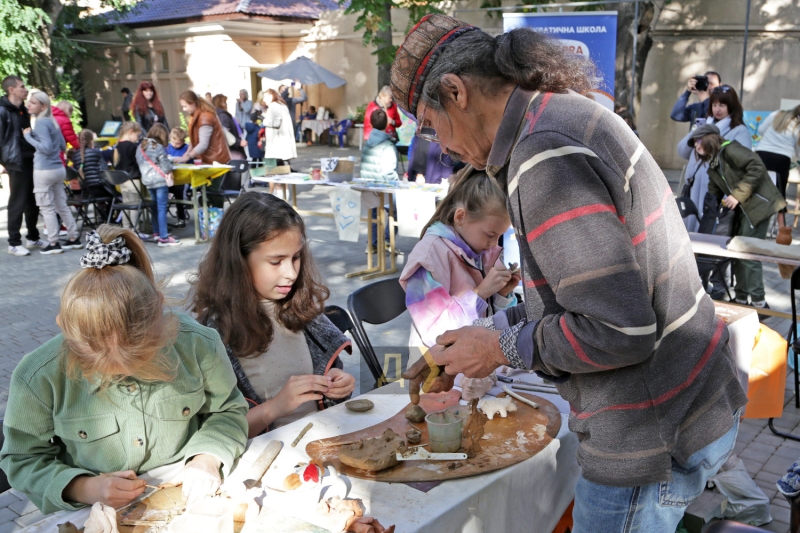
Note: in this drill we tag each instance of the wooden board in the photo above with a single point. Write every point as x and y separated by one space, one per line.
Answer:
156 507
511 440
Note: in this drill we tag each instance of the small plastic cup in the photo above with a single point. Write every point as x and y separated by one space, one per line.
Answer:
444 429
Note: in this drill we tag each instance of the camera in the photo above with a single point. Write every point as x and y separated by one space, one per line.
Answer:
702 83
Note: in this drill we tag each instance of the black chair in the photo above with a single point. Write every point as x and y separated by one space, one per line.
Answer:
231 186
794 343
116 178
377 303
729 526
707 265
83 199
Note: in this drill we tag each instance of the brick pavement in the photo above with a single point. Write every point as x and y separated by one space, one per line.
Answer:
30 289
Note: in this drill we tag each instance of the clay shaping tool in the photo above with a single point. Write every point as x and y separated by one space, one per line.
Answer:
262 464
520 398
302 434
418 453
534 388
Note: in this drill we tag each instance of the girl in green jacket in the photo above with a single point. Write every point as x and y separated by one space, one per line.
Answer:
125 389
738 178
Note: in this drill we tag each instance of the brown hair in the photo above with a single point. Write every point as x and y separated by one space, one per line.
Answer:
220 101
86 140
113 319
726 95
711 145
378 119
159 133
129 126
222 290
475 192
190 97
275 96
140 102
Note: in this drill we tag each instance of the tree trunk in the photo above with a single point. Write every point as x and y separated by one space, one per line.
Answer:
384 39
648 15
43 71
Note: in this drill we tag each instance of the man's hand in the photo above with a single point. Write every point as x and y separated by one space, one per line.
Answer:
418 375
116 489
691 85
730 202
472 350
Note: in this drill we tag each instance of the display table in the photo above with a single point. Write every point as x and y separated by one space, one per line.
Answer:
316 126
529 496
197 177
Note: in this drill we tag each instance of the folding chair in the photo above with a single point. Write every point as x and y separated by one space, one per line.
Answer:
231 186
116 178
707 265
377 303
794 343
81 200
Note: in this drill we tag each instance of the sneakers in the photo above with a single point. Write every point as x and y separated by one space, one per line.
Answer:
52 248
73 245
37 244
19 251
761 305
169 241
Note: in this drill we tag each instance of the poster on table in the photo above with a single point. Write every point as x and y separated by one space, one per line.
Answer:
591 34
414 210
346 205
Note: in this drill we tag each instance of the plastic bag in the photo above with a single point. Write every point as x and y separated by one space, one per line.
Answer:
207 231
746 501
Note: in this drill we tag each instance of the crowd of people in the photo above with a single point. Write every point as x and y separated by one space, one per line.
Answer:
722 170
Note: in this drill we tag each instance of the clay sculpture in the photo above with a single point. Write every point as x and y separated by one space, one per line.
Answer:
415 414
491 406
372 454
472 433
102 519
413 436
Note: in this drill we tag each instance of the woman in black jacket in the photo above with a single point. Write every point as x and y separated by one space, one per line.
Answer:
220 102
147 108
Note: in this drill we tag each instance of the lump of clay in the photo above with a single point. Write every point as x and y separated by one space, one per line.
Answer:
473 430
416 414
491 406
102 519
413 436
372 454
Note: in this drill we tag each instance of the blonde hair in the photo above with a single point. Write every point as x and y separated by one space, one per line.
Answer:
177 133
128 127
784 119
43 99
66 107
475 192
113 319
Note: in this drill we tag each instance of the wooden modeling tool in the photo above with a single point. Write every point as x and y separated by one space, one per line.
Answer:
302 434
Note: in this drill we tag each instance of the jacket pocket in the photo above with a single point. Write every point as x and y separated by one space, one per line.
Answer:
177 421
93 442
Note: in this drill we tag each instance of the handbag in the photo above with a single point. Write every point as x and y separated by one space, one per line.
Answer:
167 177
717 219
229 137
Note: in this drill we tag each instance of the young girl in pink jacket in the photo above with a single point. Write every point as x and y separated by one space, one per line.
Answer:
455 273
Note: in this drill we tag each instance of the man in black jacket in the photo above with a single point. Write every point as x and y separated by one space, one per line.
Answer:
17 156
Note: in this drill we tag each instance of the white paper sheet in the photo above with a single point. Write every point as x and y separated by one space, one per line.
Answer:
346 205
414 210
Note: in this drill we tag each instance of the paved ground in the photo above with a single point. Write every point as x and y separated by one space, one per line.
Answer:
31 287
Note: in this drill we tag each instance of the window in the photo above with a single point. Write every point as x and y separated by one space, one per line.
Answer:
164 61
131 63
148 65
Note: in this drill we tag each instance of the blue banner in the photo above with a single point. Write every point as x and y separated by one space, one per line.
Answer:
591 34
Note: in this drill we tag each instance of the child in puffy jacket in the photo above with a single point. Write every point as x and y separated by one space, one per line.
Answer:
156 169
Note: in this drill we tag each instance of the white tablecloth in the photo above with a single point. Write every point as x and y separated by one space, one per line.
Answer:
317 126
528 497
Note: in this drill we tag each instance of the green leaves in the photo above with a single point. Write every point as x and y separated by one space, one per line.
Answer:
20 40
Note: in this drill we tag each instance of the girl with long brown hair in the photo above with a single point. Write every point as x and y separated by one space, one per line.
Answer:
127 387
147 108
258 286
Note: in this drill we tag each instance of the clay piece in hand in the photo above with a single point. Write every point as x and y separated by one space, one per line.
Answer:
472 433
366 524
492 406
102 519
359 406
413 436
415 414
340 512
373 455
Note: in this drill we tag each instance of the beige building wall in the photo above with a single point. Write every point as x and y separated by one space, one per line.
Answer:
693 36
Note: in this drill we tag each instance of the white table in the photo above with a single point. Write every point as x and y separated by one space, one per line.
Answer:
536 491
316 126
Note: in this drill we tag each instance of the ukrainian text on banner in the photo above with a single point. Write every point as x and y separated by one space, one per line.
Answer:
593 35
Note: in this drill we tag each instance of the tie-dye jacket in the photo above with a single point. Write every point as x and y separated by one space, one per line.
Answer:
439 277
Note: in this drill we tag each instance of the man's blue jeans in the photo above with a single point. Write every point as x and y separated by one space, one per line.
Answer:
160 195
655 508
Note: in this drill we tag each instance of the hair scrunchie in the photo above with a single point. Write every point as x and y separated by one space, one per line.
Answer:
99 254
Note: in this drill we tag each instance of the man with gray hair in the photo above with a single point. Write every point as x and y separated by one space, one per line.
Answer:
244 107
16 154
614 310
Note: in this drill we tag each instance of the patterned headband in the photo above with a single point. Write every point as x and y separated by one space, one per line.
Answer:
99 254
422 47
